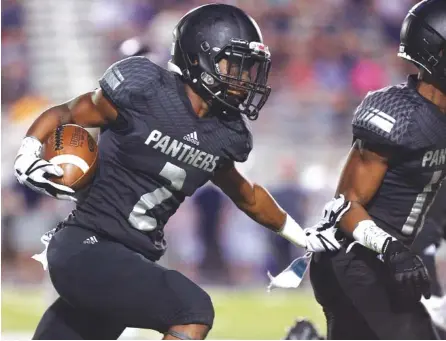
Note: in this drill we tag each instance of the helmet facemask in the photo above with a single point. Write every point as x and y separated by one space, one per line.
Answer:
240 75
234 76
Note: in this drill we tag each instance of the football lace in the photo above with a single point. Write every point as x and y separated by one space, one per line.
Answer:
59 138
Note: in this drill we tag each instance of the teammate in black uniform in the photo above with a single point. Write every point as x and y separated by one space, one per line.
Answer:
429 239
425 245
371 289
164 134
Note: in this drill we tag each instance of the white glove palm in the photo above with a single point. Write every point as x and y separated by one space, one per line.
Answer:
321 237
32 171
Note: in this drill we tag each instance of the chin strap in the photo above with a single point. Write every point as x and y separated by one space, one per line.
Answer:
174 68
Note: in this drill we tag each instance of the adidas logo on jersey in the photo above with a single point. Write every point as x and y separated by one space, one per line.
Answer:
91 240
192 138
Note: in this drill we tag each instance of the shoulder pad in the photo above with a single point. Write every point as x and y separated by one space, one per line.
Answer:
129 78
384 115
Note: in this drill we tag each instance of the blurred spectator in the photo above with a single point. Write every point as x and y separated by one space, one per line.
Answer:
186 250
292 198
209 202
15 123
245 247
368 75
15 82
340 116
12 15
390 13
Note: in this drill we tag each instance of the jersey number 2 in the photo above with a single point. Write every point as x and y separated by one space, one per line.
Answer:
138 217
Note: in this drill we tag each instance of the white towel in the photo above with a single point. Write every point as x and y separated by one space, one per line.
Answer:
292 276
41 257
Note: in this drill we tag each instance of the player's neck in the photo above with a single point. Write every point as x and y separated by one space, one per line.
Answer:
198 104
432 94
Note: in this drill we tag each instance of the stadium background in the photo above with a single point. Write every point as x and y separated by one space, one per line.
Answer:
326 55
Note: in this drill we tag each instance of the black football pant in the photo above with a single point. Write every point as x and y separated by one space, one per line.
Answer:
353 289
426 247
105 287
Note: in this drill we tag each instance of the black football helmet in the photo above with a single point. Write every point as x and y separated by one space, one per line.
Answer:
210 33
423 40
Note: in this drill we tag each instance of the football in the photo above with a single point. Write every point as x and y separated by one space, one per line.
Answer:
73 148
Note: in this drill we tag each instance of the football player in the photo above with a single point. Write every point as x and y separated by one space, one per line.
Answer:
429 239
371 288
164 133
425 245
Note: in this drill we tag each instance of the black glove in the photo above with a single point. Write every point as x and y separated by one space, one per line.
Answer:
411 279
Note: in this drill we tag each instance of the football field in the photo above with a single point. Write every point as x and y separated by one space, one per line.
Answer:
240 314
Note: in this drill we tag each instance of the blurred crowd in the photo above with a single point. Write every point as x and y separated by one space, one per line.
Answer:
327 55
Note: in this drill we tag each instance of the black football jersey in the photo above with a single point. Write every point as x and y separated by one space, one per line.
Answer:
154 155
400 119
435 224
433 229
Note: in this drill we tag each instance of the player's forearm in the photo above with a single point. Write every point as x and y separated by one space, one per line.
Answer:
360 180
265 211
358 197
48 121
350 220
358 224
258 204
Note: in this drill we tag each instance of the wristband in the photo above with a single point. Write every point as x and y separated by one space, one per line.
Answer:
293 232
30 146
371 236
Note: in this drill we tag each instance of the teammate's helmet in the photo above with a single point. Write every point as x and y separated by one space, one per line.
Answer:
210 33
423 40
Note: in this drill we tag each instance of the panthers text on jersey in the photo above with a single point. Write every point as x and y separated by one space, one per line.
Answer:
400 119
155 154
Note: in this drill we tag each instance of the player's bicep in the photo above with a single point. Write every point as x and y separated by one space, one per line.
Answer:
363 172
91 109
234 185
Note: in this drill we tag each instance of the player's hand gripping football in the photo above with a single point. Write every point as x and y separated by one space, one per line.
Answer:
32 171
321 237
410 274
